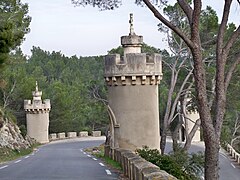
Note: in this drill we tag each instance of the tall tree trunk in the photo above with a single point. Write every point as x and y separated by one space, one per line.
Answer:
175 136
212 158
191 135
163 140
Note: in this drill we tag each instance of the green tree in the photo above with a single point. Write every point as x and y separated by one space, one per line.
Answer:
14 24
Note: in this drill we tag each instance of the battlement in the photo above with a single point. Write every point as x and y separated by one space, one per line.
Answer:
194 111
37 105
133 64
133 69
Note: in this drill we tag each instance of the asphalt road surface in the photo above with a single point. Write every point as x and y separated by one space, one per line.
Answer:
66 160
60 160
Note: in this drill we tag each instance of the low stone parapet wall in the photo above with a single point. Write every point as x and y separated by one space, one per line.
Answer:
63 135
233 153
71 134
136 168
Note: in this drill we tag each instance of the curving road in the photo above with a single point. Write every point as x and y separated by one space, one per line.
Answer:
60 160
66 160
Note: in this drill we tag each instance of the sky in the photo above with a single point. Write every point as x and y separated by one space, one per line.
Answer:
57 25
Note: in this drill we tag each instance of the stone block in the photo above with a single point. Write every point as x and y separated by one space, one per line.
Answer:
159 175
96 133
130 161
134 168
116 155
113 153
149 171
83 134
137 168
107 151
61 135
126 167
53 136
71 134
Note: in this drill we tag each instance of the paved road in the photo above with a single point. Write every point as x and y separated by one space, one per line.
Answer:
62 160
229 170
66 160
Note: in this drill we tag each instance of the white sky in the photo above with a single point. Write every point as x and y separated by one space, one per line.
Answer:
59 26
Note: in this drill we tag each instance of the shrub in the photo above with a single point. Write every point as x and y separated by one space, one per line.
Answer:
23 130
179 164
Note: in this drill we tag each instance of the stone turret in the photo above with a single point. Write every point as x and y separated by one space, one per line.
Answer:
133 94
37 116
190 118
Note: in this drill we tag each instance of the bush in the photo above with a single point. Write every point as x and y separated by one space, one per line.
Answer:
179 164
23 130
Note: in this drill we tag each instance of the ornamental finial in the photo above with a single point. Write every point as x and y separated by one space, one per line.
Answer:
36 86
131 24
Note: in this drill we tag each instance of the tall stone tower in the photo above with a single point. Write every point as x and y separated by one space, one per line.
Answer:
37 116
133 94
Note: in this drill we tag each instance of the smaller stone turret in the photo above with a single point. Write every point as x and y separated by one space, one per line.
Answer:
37 116
191 117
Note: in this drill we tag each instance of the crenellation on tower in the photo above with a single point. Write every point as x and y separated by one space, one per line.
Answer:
37 105
146 68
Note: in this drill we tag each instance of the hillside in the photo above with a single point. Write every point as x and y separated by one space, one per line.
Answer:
11 139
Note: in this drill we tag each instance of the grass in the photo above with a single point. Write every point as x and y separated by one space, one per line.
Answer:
7 154
112 163
99 153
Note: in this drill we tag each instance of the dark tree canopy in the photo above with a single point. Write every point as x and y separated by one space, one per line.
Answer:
102 4
14 24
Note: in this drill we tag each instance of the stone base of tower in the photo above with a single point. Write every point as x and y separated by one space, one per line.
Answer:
37 126
136 111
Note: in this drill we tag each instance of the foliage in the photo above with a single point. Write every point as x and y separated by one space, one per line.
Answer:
145 49
14 23
109 5
66 81
180 164
23 130
9 154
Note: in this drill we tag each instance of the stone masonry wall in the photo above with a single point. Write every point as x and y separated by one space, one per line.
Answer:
135 167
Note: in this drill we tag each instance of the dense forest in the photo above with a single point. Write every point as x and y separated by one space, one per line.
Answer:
69 82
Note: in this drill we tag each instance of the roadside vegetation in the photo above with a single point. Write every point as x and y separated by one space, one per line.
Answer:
179 163
7 154
98 152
